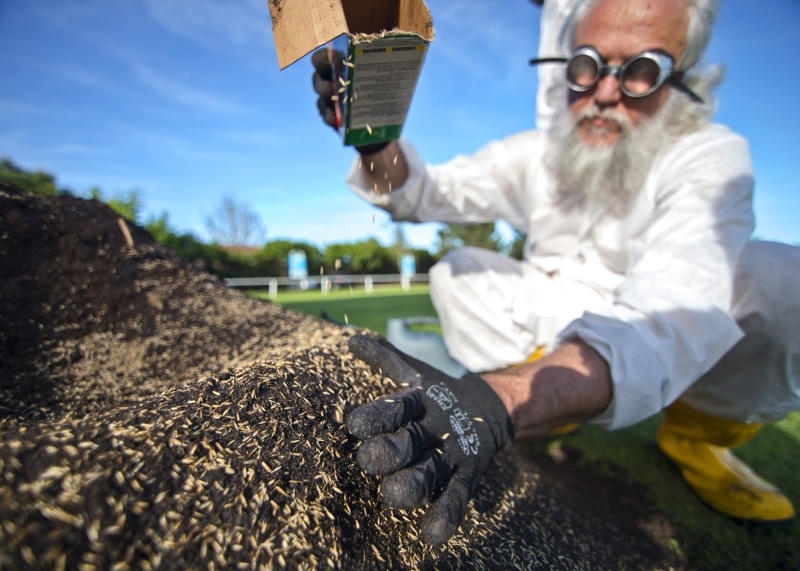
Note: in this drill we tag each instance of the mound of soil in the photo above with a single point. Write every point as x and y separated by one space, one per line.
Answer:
153 418
90 322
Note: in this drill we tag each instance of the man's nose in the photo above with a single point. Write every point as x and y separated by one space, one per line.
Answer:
608 91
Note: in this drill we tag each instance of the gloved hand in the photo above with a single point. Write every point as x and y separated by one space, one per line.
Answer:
440 433
323 84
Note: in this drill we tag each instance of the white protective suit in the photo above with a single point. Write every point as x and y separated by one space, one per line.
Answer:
554 15
650 291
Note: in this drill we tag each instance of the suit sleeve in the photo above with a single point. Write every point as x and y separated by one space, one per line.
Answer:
669 321
483 187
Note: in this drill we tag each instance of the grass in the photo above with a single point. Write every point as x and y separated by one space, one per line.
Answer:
709 539
362 309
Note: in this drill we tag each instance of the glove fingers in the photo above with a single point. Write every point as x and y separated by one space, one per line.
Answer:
326 112
387 453
323 87
320 59
443 517
413 487
384 415
382 359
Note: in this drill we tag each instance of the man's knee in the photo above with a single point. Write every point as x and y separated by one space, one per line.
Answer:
469 260
448 275
765 288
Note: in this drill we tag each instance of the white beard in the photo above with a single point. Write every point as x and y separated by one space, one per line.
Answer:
611 176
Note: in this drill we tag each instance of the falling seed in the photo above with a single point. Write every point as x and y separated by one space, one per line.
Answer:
371 164
385 175
334 98
445 435
478 418
341 90
346 322
359 164
394 162
369 129
390 186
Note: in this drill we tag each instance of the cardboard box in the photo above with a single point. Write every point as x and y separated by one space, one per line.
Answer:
382 46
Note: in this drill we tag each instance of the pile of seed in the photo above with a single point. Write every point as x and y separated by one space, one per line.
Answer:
90 321
233 467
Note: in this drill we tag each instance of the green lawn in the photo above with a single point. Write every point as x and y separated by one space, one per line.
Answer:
708 539
362 309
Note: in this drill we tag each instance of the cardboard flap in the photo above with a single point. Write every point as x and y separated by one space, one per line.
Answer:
301 26
415 16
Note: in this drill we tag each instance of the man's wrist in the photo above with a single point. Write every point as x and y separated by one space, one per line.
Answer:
373 149
572 384
385 170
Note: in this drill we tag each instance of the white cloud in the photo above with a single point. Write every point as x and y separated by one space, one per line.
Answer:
214 23
10 109
177 92
81 77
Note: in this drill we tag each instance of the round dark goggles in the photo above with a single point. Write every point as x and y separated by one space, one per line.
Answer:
640 76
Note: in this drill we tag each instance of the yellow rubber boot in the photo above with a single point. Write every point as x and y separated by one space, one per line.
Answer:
700 445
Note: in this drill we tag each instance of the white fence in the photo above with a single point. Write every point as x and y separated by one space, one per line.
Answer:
326 283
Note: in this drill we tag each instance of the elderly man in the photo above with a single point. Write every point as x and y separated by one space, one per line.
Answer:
639 285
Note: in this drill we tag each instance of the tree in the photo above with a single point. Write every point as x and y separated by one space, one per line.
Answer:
364 257
399 245
204 256
37 182
424 260
273 258
235 224
128 204
516 248
454 236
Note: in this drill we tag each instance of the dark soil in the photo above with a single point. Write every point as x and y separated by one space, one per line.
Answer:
153 418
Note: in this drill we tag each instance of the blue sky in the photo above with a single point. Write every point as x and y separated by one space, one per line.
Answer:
183 99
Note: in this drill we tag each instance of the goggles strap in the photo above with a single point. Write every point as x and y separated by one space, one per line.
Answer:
674 80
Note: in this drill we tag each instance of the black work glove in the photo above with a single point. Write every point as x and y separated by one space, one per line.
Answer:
440 433
325 88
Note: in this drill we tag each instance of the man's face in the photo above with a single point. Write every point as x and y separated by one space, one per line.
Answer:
619 30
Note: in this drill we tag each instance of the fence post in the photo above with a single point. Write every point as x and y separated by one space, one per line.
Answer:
273 288
325 285
405 281
368 284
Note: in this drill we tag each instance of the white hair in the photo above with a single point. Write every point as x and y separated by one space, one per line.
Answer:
702 14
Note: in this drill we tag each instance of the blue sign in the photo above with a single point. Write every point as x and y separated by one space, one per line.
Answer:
408 265
298 265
